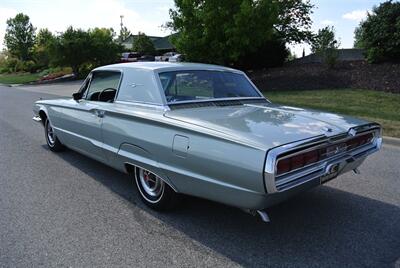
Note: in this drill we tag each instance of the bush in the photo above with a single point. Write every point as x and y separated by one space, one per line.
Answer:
29 66
379 33
84 70
14 65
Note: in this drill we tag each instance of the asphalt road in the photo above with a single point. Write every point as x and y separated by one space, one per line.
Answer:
68 210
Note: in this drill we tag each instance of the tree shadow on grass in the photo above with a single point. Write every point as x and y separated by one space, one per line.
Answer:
323 227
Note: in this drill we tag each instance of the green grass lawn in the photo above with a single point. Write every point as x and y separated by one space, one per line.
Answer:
19 78
376 106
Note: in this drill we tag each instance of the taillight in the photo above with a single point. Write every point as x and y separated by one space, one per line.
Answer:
360 140
300 160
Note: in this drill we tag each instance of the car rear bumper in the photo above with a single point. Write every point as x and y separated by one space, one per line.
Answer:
338 163
37 118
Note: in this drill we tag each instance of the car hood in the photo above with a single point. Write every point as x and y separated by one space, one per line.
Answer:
267 125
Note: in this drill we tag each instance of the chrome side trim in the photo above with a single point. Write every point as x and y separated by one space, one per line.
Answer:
217 99
144 104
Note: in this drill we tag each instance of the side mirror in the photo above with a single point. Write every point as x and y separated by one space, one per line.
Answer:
77 96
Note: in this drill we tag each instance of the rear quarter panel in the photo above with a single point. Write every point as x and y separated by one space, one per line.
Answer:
213 167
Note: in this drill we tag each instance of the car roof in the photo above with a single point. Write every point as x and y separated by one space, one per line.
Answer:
166 66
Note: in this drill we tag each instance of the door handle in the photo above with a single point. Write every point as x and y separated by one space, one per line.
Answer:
99 113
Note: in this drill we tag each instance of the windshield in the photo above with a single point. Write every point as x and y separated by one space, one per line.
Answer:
204 85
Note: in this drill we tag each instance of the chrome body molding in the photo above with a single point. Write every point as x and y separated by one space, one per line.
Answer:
345 161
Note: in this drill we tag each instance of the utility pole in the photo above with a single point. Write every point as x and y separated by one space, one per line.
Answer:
122 26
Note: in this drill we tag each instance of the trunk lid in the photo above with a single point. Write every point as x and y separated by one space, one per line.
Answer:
268 125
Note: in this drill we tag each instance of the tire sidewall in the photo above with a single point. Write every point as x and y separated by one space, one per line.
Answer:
57 146
167 200
143 193
51 145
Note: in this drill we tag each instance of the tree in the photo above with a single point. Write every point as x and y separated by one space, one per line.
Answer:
325 45
358 39
82 50
72 48
379 34
41 51
20 36
143 44
270 54
294 20
103 49
124 33
227 30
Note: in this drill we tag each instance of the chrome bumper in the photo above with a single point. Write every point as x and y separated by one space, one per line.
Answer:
37 118
323 171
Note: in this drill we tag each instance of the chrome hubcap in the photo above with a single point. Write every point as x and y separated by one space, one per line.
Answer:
151 184
50 134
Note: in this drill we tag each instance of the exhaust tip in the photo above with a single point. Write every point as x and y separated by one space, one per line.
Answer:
263 215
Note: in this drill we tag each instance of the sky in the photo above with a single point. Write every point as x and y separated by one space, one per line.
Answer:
149 15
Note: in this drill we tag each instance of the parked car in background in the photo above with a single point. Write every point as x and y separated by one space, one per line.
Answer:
177 58
130 56
147 58
166 56
206 131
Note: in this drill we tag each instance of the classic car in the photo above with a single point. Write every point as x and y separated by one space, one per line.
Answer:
203 130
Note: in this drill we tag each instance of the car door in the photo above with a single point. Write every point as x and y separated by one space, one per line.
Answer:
83 118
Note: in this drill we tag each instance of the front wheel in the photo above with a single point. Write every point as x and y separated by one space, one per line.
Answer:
154 192
52 141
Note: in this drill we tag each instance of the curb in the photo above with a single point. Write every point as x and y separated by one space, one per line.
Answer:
391 141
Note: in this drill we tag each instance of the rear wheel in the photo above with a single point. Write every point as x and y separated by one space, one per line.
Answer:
154 192
52 141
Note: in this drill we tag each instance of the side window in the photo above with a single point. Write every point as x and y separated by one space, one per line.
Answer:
85 84
103 86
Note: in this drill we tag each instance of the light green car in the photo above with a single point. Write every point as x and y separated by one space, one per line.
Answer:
205 131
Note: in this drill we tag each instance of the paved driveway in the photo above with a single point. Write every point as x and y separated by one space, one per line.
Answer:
63 89
68 210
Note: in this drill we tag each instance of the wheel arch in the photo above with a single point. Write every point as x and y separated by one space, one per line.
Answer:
131 168
133 156
43 116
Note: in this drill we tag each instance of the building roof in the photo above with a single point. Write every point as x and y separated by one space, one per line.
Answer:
344 54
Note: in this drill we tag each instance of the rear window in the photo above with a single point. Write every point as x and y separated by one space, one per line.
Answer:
202 85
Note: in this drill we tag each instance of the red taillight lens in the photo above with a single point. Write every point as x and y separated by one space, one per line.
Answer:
304 159
360 140
311 157
284 165
298 161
